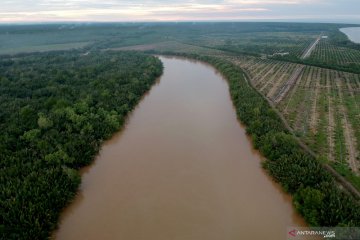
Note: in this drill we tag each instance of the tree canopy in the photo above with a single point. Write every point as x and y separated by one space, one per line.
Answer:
56 109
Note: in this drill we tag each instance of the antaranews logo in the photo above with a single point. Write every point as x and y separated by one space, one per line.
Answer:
336 233
292 233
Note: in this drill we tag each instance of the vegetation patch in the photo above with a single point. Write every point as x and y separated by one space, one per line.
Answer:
56 110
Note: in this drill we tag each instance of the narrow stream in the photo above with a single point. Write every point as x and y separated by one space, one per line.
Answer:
182 169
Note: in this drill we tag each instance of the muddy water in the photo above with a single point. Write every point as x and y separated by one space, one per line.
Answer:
182 169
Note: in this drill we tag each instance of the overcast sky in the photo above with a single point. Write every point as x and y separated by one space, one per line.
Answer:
186 10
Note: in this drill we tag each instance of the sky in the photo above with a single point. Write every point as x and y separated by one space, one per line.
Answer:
347 11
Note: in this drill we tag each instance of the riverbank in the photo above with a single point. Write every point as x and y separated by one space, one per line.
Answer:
182 168
316 193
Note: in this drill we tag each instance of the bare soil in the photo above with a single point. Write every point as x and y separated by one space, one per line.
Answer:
348 130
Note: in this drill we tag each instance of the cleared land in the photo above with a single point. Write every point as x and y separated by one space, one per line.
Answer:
321 105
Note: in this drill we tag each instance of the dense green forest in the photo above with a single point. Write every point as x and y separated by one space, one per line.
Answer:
56 110
317 196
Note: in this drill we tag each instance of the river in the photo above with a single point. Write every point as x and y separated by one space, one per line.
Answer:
181 169
353 33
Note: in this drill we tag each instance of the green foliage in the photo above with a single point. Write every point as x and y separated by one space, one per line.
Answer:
44 122
308 202
346 172
275 145
298 170
56 109
31 135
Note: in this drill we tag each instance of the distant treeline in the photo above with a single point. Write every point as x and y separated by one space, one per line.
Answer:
316 195
19 38
340 39
56 110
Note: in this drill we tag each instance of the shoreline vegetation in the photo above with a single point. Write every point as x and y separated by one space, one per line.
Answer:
57 109
316 194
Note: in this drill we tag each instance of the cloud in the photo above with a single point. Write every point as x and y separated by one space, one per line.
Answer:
146 10
157 10
264 2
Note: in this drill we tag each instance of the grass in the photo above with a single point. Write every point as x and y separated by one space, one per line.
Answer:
344 170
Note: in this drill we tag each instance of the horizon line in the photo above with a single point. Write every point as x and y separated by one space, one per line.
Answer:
310 21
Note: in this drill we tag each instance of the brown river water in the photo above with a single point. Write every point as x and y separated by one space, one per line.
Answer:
181 169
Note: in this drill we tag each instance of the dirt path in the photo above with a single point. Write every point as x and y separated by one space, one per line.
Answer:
247 63
351 90
279 68
331 121
261 73
357 79
278 82
289 84
301 116
348 131
302 119
310 77
314 113
311 48
355 142
259 82
271 79
293 91
249 66
256 65
253 70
